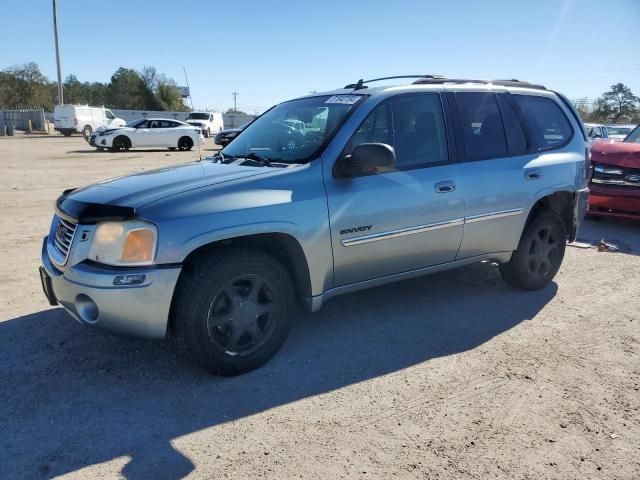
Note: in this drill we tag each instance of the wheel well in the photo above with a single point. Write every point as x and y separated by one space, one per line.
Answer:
281 246
560 203
122 136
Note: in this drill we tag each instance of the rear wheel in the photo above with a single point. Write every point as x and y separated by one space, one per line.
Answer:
233 310
185 143
539 255
121 144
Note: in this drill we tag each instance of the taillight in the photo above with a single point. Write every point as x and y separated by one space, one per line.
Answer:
75 121
588 168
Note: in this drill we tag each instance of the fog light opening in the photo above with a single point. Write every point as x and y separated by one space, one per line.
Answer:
87 308
129 279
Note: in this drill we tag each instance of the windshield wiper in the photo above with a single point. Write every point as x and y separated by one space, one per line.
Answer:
259 158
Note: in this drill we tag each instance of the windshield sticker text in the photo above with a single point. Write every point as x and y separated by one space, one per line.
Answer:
343 99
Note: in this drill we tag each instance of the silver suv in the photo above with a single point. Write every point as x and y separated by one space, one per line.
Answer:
382 184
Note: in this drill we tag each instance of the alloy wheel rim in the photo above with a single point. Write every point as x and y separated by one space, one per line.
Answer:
543 251
241 317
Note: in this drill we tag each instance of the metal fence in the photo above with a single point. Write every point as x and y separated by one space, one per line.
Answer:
19 118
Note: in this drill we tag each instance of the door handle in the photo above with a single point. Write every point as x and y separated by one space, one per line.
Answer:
445 186
533 174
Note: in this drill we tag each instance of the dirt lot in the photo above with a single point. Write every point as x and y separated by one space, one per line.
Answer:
452 376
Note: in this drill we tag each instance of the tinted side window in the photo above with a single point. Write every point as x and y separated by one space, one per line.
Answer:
547 122
412 124
420 137
516 139
482 128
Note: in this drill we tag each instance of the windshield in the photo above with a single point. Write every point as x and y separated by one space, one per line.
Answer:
619 131
634 137
198 116
135 123
294 131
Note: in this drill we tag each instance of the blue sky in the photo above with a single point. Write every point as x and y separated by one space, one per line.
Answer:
272 50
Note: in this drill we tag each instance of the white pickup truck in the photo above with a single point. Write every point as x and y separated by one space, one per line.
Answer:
209 122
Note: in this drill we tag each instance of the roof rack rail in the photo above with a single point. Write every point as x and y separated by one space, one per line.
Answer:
503 83
360 84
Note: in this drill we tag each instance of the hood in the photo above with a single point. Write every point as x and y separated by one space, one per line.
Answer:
134 191
622 154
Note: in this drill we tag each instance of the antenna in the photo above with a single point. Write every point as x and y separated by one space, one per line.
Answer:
188 87
235 104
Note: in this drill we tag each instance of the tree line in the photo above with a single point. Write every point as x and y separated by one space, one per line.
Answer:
618 105
26 86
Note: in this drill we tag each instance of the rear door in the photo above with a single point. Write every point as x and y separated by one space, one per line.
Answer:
504 164
404 218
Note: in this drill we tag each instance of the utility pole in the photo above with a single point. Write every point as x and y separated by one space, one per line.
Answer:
235 104
55 33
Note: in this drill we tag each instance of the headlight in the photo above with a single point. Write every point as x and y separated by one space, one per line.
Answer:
124 243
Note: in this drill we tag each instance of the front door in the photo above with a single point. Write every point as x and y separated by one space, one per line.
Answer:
403 218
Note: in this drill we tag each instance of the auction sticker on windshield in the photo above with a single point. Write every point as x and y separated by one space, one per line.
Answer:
344 99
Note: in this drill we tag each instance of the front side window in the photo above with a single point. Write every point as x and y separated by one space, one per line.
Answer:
482 129
294 131
548 124
412 124
109 115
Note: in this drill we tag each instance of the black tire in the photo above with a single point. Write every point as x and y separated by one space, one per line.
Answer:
185 143
87 131
539 255
233 310
121 144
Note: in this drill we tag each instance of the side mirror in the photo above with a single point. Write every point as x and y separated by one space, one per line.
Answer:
368 158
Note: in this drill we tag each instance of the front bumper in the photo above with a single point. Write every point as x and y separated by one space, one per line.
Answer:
612 201
87 292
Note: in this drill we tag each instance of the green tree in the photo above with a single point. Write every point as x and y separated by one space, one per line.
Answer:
583 108
25 85
127 90
617 105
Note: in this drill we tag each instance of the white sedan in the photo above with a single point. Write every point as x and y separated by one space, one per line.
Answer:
149 132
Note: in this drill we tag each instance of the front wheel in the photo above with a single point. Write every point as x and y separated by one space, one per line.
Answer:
233 310
87 131
121 144
539 255
185 143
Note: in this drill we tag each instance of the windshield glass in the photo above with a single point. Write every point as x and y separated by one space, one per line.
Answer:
135 123
634 137
294 131
198 116
619 131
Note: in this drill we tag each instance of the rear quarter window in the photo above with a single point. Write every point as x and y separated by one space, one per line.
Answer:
547 122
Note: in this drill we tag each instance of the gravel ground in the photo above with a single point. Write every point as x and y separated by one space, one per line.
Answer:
453 376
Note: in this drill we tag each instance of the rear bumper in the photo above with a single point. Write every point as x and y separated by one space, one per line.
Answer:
87 292
579 210
614 202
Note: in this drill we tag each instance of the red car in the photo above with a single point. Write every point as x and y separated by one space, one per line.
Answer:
615 183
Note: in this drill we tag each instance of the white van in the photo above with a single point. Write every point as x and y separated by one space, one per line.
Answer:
83 119
210 123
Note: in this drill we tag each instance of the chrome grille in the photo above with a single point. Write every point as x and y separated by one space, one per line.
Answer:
65 232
